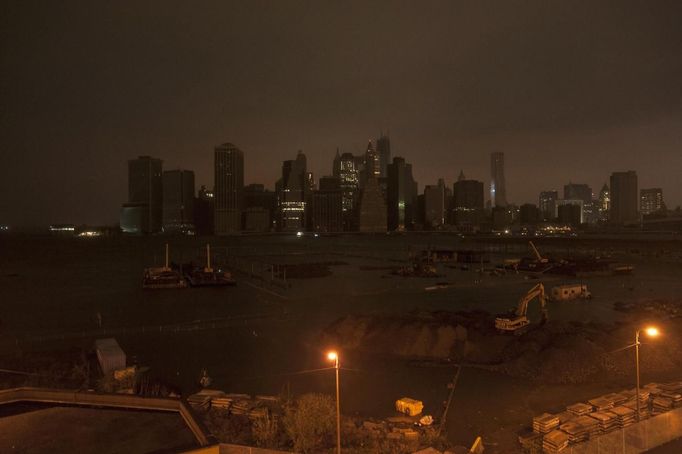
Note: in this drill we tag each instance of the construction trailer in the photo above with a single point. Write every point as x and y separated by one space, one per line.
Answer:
570 292
110 355
410 407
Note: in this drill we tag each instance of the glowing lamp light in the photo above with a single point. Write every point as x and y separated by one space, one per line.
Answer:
652 331
332 356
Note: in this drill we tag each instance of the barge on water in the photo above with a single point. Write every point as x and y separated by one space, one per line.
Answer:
162 277
207 276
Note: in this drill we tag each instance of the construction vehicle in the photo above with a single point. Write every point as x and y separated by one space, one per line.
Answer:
516 320
569 292
539 258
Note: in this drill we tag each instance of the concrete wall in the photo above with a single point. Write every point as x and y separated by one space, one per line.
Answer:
636 438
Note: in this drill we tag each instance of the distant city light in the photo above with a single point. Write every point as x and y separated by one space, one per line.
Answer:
89 233
4 227
299 234
62 228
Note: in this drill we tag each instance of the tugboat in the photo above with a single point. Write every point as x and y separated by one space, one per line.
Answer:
162 277
208 277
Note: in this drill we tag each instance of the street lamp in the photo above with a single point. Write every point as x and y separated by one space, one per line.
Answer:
333 356
650 331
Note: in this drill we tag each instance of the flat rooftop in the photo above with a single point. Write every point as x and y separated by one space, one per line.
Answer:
31 427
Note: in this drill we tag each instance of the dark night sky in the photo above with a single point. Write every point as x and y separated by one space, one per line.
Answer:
568 90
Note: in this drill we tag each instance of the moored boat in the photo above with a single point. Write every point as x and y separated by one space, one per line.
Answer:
162 277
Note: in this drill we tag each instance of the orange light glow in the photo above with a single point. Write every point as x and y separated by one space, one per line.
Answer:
652 331
332 356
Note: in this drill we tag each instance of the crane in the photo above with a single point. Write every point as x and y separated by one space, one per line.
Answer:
516 320
539 258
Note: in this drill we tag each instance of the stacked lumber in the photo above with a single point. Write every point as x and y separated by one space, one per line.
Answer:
554 442
606 419
579 409
530 441
591 425
545 423
221 403
625 415
241 407
576 431
199 401
601 403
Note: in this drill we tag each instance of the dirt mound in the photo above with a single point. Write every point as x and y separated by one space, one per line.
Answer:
556 352
414 336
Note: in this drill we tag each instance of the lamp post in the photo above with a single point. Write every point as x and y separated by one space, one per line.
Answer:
333 356
651 331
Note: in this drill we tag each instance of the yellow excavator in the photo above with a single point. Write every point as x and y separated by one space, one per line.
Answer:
515 321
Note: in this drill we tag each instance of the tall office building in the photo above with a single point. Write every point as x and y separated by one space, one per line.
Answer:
529 214
144 211
384 152
345 169
259 208
178 201
326 210
573 191
229 188
371 163
498 187
292 190
651 200
578 207
401 195
371 211
624 198
548 204
204 211
436 200
467 204
604 203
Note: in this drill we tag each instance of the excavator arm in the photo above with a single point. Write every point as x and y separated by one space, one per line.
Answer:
537 291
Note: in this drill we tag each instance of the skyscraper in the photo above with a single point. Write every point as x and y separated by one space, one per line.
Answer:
204 211
371 208
467 203
624 198
327 213
436 201
574 191
548 204
498 188
229 187
604 204
651 200
401 195
384 152
292 190
178 201
372 165
348 182
144 210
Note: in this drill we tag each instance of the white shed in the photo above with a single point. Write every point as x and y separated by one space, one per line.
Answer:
110 355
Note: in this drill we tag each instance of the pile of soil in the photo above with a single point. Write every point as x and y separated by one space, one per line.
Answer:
556 352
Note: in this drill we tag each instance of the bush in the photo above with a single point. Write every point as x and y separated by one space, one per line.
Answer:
311 422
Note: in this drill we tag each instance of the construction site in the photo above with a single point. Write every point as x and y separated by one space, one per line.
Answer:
493 337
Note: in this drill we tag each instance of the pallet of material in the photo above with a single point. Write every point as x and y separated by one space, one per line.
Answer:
565 416
241 407
590 424
643 409
258 412
576 432
530 441
607 420
267 398
674 397
579 409
616 398
662 404
554 442
199 401
545 423
223 403
625 416
601 403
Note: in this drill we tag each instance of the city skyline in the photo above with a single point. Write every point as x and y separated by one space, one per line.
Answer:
452 83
